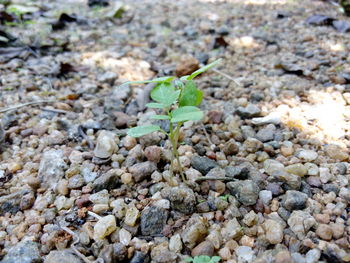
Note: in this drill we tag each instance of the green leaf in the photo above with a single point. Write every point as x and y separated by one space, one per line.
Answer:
191 96
160 117
155 105
203 69
142 130
204 259
165 93
167 79
186 113
215 259
188 259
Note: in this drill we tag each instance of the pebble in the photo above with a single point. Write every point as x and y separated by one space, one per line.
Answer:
230 147
105 145
101 197
175 243
297 169
203 248
249 111
252 145
325 175
108 181
324 232
266 134
272 118
232 230
283 257
104 227
186 66
24 252
181 199
265 196
153 220
153 153
336 152
300 223
51 168
244 254
195 230
124 237
247 191
63 256
250 218
273 231
313 256
131 215
161 254
294 200
203 164
76 181
307 155
271 166
141 171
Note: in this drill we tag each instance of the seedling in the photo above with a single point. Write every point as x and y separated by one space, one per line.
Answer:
178 98
203 259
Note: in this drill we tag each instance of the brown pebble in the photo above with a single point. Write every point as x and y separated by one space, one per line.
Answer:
204 248
283 257
324 232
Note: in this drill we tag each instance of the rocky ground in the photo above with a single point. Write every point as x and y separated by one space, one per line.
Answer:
74 188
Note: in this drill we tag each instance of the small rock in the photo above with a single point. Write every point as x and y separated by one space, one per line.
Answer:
250 219
55 138
140 257
313 256
11 203
336 152
27 201
204 248
249 111
325 175
307 155
252 145
119 252
272 118
246 191
294 200
266 134
297 169
153 153
230 148
196 229
283 257
129 142
265 196
271 166
337 230
105 145
153 220
108 77
203 164
181 199
23 252
63 256
101 197
300 222
175 243
161 254
287 148
124 237
76 181
51 168
141 171
273 231
186 66
324 232
131 215
232 230
108 181
215 116
244 254
104 227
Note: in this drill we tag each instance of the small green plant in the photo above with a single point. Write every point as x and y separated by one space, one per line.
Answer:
225 197
203 259
178 98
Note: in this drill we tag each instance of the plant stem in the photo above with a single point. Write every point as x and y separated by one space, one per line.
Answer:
171 136
176 140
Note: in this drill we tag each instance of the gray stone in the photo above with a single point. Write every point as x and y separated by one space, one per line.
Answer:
51 168
140 257
76 181
109 180
64 256
181 199
141 171
246 191
313 256
300 222
307 155
153 220
294 200
108 77
23 252
249 111
244 254
291 180
266 134
195 231
11 203
203 164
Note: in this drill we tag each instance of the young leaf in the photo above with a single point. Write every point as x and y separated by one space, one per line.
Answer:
160 117
155 105
165 93
188 259
203 69
190 96
215 259
143 130
186 113
156 80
